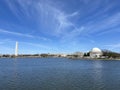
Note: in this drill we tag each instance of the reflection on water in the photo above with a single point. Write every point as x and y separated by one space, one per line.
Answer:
59 74
15 77
98 74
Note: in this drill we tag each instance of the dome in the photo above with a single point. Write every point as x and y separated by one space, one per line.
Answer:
96 50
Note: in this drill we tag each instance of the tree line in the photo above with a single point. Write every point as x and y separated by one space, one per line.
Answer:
111 54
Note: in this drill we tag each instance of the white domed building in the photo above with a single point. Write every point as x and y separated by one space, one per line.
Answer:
96 53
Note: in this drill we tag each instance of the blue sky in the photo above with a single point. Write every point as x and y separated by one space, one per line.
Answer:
59 26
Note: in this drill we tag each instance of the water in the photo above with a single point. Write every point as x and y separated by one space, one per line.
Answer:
59 74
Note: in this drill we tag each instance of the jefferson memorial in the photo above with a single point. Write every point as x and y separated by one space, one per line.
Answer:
96 53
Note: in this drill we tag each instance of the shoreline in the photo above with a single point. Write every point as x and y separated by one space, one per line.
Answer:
106 59
94 59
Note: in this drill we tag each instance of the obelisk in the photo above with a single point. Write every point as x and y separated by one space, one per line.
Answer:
16 49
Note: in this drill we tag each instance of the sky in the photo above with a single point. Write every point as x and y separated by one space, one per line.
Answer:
59 26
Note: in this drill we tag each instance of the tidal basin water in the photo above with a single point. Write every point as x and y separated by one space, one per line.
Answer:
59 74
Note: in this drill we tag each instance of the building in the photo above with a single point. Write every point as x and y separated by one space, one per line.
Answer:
96 53
79 54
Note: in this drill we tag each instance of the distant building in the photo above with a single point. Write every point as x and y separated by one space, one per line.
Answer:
60 55
63 55
96 53
79 54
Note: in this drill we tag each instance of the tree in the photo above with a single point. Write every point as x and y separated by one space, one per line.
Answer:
87 54
111 54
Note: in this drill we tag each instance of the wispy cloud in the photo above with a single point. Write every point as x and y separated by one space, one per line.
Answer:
104 25
6 47
36 45
15 33
87 20
22 10
3 41
114 46
21 34
53 20
25 47
73 34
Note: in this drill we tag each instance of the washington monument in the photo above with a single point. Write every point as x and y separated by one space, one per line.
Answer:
16 49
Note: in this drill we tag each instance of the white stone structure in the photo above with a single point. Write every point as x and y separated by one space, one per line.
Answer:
96 53
79 54
16 49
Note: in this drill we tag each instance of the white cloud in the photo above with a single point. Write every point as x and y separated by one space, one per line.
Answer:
73 34
103 25
21 34
15 33
3 41
57 21
22 10
113 47
74 14
51 18
36 45
8 46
